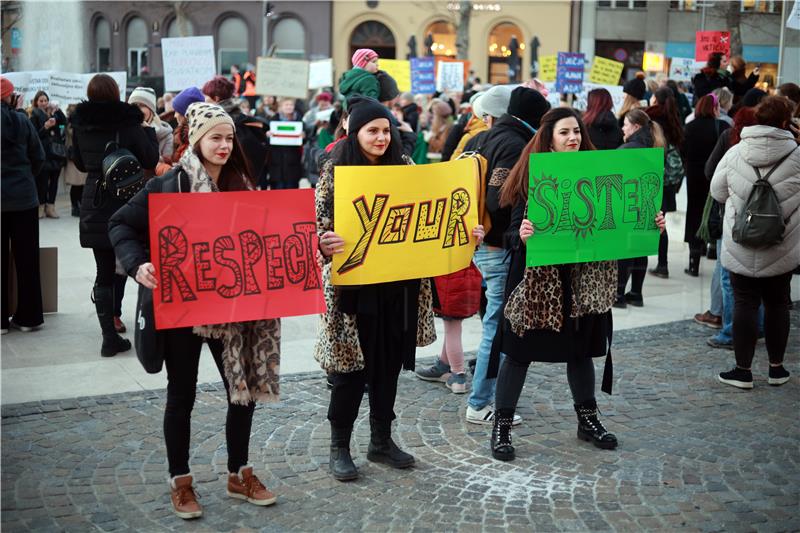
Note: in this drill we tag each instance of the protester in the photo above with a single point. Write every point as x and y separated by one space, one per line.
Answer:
440 125
72 176
640 132
634 90
410 110
361 79
237 81
50 125
700 137
740 82
684 107
268 108
710 77
145 99
97 122
246 353
21 159
168 115
368 334
762 274
285 164
249 80
180 135
604 130
534 332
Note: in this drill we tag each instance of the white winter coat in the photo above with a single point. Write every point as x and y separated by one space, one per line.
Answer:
761 146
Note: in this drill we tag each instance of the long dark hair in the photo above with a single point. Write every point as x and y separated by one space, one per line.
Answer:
666 113
348 152
516 186
38 95
598 102
236 174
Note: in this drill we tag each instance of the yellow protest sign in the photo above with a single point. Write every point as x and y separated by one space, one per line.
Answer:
400 70
605 71
547 68
405 221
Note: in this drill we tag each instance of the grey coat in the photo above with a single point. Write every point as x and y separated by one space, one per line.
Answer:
761 146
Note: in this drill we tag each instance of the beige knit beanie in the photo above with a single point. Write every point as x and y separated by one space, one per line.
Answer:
202 117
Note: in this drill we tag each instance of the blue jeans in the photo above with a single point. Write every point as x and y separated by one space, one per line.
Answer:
716 307
725 335
493 265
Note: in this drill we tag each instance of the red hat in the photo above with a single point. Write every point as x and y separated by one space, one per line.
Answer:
6 87
362 56
326 96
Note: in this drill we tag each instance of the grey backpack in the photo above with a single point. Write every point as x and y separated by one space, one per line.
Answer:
760 224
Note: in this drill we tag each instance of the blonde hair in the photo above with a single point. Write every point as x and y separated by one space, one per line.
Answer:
724 97
651 84
630 102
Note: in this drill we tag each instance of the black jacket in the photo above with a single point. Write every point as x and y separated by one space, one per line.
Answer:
251 132
454 137
740 87
706 81
285 163
49 136
128 228
501 147
21 160
95 124
605 132
411 115
643 138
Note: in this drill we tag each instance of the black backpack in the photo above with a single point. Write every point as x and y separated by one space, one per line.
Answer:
123 175
760 223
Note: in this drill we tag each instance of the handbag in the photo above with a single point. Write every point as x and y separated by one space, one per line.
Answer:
149 342
59 150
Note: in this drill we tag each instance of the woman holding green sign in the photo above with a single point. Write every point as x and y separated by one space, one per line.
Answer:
553 314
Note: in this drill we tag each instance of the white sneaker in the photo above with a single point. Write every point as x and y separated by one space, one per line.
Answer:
485 416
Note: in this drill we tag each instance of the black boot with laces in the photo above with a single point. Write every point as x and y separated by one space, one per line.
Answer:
591 429
502 449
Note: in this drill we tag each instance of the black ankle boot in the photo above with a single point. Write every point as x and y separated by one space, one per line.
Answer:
591 429
104 305
502 449
694 266
382 448
341 464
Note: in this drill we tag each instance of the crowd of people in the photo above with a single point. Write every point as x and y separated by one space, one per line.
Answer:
725 141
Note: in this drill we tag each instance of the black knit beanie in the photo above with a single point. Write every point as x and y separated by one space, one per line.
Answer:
388 87
635 88
752 97
364 109
528 105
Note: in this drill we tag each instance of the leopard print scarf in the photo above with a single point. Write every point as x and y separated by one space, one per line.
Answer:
536 303
251 350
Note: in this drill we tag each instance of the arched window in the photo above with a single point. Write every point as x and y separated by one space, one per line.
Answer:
136 33
373 34
506 48
102 43
442 38
289 38
232 39
174 29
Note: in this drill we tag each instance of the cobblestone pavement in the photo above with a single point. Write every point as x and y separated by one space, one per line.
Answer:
694 455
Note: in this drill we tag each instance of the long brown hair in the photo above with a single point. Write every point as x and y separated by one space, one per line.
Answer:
515 187
598 102
235 174
643 120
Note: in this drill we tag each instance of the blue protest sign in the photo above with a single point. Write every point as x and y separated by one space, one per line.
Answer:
569 72
423 78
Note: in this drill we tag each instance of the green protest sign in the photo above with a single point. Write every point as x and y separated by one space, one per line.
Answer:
594 205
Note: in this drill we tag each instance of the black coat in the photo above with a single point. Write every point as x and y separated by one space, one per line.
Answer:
21 159
605 132
741 86
285 163
706 81
643 138
251 132
49 136
699 141
95 124
454 137
411 115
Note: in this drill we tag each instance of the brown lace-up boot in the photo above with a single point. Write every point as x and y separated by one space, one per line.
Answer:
246 486
184 500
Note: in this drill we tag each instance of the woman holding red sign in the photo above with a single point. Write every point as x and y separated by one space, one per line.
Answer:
553 314
246 353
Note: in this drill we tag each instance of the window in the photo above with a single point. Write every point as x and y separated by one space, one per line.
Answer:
232 37
506 47
289 38
174 29
683 5
102 42
373 34
137 47
759 6
623 4
442 38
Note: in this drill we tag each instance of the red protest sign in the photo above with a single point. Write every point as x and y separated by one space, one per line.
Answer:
708 42
234 256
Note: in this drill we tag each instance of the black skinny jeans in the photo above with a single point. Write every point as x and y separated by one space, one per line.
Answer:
663 248
635 268
511 378
182 359
20 231
748 293
47 185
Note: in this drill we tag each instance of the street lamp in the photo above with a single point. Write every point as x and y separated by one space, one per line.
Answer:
703 6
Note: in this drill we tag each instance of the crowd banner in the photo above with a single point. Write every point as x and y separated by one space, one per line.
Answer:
594 205
404 221
708 42
63 87
282 77
286 133
605 71
234 256
451 75
569 72
423 75
400 70
188 61
547 72
320 74
617 95
681 68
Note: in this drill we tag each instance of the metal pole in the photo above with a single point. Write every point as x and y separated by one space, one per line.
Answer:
703 18
781 43
264 26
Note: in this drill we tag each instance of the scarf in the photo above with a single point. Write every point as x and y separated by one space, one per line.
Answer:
251 350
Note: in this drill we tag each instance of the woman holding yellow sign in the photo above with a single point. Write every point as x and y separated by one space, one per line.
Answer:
370 332
553 314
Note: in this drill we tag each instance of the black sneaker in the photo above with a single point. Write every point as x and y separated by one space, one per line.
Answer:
737 377
777 375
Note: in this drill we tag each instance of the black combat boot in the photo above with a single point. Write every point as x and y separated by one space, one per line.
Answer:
382 448
502 449
591 429
104 305
341 464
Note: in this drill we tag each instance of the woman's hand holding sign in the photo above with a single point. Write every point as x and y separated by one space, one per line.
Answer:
330 243
525 230
661 222
479 233
145 275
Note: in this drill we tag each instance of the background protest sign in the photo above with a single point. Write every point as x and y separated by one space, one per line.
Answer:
62 87
282 77
708 42
450 76
404 221
547 72
234 256
423 75
400 70
286 133
594 205
320 74
681 68
188 61
569 72
605 71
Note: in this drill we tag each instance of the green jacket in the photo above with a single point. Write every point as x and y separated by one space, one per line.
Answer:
359 81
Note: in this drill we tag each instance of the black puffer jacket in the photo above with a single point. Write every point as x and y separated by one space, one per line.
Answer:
21 159
95 125
605 132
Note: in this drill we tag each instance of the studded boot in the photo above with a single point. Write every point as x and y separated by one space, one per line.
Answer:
502 450
104 305
591 429
341 464
382 448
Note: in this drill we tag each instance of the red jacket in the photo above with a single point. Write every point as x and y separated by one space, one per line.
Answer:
459 293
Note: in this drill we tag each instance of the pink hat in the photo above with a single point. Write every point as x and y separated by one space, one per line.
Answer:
362 56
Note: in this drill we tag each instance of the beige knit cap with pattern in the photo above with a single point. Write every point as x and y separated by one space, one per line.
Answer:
202 117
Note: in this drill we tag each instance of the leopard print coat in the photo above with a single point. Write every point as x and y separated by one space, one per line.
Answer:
337 348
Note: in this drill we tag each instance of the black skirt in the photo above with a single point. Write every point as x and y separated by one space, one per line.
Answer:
587 336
